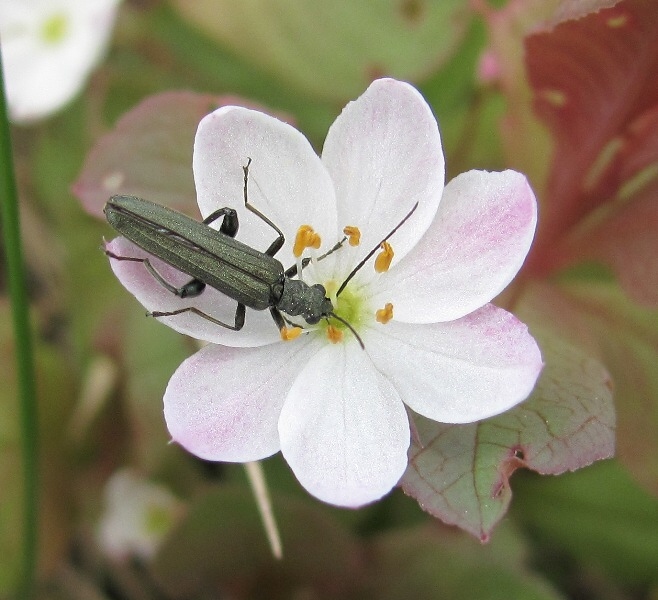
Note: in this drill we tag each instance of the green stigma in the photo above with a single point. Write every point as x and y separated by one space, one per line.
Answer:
349 306
54 29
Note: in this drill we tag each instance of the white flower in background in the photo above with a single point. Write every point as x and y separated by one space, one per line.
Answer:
431 339
49 47
137 516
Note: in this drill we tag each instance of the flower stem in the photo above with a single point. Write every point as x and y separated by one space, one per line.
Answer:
259 486
23 344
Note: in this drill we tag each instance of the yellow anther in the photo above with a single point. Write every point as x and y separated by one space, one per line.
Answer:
384 258
334 334
306 238
290 333
384 315
353 234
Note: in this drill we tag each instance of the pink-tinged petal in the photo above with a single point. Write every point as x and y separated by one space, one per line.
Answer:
287 181
259 328
224 403
476 245
462 371
384 154
344 430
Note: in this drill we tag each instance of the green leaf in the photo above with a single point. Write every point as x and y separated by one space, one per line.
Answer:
460 473
597 315
431 562
332 50
598 516
221 546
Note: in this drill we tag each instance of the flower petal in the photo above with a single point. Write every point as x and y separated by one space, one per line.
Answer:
343 429
476 245
287 181
224 403
384 155
462 371
259 328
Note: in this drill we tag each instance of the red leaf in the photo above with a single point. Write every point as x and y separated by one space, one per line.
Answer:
596 87
148 153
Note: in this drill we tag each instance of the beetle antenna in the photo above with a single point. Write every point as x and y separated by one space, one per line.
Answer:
344 322
356 269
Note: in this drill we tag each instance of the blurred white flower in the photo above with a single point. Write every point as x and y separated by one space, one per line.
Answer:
49 47
137 515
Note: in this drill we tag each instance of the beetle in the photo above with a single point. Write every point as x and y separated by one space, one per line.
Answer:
215 258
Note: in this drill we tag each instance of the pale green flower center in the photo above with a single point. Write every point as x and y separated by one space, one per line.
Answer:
158 520
350 306
55 28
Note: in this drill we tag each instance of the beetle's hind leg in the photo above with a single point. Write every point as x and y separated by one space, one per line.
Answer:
237 325
191 289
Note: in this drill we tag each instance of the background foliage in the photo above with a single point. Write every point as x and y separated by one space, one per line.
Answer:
566 92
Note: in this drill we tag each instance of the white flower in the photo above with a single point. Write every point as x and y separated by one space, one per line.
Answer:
49 48
138 514
335 410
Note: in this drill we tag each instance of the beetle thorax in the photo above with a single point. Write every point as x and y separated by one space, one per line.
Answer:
308 301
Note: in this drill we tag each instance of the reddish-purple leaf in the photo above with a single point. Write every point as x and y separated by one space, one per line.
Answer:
148 153
596 86
625 234
460 473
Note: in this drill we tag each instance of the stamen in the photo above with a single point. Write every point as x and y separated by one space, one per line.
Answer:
384 315
384 258
306 238
290 333
354 234
334 334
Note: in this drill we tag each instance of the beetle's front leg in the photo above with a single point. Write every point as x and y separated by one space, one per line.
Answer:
277 244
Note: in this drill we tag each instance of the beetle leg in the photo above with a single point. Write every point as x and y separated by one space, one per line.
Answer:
277 244
237 325
230 223
191 289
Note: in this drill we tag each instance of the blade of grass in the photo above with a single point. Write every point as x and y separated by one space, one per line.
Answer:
23 345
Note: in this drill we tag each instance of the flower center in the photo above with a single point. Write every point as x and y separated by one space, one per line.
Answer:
349 308
54 28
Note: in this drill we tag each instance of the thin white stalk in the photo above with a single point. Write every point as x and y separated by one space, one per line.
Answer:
261 494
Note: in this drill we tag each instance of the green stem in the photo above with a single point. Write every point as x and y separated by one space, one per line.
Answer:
23 344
